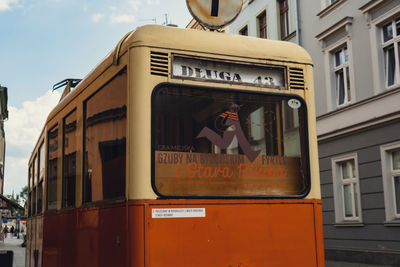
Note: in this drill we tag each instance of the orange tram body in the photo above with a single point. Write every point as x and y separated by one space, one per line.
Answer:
181 148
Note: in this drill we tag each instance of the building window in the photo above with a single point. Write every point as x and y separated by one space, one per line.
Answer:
244 31
105 150
339 71
390 156
390 45
262 24
383 20
342 76
346 189
330 7
284 18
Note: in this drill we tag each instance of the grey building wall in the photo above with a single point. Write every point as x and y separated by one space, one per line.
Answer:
252 8
312 24
372 233
361 128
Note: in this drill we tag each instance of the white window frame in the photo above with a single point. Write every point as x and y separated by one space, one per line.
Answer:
246 25
388 181
375 24
342 68
341 27
338 191
287 17
330 6
395 42
263 10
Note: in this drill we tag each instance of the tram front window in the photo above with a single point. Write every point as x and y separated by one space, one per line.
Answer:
209 142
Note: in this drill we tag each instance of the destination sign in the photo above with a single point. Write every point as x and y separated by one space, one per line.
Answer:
227 72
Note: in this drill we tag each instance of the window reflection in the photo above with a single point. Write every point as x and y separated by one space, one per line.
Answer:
52 168
41 161
41 177
69 160
390 46
387 32
40 198
342 76
35 179
212 142
105 142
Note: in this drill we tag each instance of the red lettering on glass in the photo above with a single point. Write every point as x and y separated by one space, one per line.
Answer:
199 171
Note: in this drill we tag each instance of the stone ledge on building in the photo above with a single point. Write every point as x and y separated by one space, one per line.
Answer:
358 116
377 258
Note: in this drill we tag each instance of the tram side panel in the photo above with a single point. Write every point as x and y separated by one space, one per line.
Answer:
33 254
228 233
28 242
86 237
39 241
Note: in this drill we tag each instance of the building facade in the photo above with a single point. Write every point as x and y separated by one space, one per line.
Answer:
355 48
3 117
271 19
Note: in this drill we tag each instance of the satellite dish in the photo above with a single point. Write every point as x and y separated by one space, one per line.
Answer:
214 14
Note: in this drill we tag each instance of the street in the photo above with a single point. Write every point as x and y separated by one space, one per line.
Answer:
14 244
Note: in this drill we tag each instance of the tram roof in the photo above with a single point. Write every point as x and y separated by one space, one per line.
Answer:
216 43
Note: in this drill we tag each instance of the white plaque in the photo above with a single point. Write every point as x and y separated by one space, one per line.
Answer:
178 213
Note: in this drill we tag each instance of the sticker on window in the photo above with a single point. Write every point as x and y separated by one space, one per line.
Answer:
294 103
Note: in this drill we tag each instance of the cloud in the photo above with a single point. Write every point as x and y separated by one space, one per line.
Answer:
122 18
153 2
22 131
6 4
120 15
16 174
135 4
97 17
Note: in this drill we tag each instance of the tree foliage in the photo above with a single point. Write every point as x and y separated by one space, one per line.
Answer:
24 193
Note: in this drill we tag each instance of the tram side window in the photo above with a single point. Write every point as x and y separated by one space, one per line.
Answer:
35 173
41 177
69 160
40 198
29 204
105 141
30 185
52 167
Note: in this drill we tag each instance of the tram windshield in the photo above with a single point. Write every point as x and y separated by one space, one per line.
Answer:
224 143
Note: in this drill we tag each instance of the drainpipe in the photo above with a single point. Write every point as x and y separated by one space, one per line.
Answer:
298 23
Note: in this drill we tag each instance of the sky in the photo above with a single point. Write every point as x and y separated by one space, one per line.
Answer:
43 42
